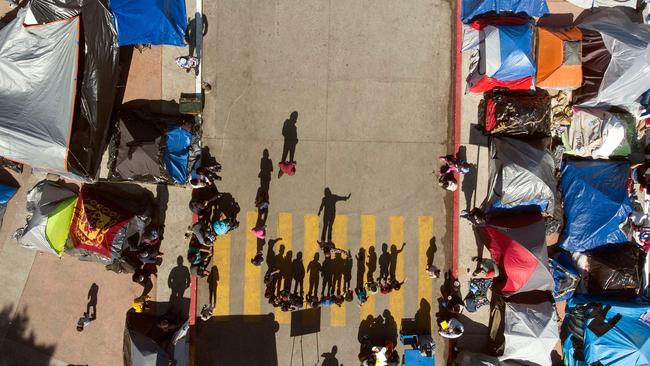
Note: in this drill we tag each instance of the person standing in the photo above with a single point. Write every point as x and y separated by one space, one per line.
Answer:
328 208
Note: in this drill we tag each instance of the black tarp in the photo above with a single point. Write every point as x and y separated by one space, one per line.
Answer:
613 268
520 114
595 59
138 145
96 86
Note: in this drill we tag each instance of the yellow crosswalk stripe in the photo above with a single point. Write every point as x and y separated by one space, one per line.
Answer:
252 274
425 233
221 259
285 232
310 245
368 239
396 237
340 238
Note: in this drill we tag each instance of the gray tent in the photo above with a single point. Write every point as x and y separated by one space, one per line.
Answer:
47 199
146 344
38 69
525 331
620 73
58 71
521 175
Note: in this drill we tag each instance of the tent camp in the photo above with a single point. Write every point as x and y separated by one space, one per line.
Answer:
518 245
148 147
521 176
107 220
600 134
523 331
559 65
149 22
57 85
505 57
615 58
49 208
619 337
146 344
516 113
596 203
471 9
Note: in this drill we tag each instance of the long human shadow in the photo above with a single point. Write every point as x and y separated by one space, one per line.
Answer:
314 270
179 281
371 264
92 301
327 276
328 208
290 134
262 198
361 267
298 274
190 33
384 262
348 263
431 251
423 317
213 282
338 266
468 186
394 252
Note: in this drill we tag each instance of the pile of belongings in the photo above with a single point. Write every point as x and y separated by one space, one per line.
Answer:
477 295
149 147
103 222
516 114
600 134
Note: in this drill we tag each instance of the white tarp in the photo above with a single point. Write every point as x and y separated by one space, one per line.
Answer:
628 74
38 70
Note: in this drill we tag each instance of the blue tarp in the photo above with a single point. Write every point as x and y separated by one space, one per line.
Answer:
153 22
595 204
177 154
474 8
6 192
516 50
626 344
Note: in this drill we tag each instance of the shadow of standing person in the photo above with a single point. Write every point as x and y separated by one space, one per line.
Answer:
384 262
213 281
266 169
361 267
190 34
394 252
390 326
298 274
92 301
431 251
329 358
290 134
328 208
372 264
423 317
178 281
347 272
313 268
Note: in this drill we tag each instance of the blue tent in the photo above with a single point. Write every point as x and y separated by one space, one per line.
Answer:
627 343
595 203
149 22
177 153
474 8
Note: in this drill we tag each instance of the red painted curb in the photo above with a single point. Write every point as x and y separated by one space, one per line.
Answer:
458 84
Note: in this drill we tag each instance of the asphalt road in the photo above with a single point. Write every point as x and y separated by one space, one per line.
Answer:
371 83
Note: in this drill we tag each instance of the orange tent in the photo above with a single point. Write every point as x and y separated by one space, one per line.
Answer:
559 58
